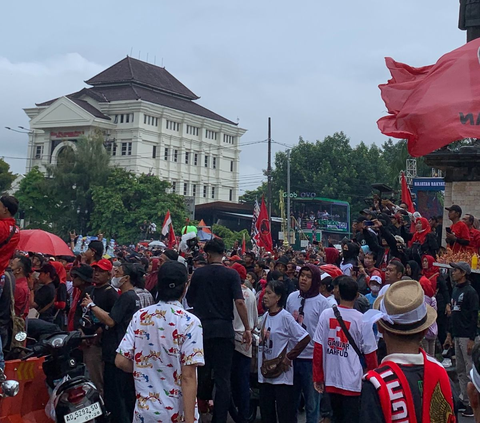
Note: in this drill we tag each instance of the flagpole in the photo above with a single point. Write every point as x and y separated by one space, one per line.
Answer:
269 170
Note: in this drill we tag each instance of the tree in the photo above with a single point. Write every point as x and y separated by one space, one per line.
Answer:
229 237
252 195
125 200
6 177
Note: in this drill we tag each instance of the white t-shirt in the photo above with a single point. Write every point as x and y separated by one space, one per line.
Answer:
383 290
238 326
331 300
279 331
312 310
341 364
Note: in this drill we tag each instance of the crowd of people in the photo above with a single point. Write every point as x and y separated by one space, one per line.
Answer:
349 333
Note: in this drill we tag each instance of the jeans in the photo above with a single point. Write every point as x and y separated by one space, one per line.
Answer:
303 382
218 359
240 382
464 365
276 402
3 343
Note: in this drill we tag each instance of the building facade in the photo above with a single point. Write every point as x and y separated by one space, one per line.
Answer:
151 124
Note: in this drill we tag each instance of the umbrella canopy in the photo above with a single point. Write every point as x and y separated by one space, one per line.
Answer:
157 244
38 241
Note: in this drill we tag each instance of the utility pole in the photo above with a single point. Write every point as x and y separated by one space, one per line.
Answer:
269 171
288 197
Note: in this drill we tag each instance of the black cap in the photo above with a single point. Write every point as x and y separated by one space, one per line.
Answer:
200 258
84 272
361 219
96 246
172 274
454 208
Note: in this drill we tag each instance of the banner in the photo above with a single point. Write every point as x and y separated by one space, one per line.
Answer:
263 228
253 232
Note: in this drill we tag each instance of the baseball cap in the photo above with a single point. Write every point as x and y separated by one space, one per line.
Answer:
376 279
462 265
84 272
240 270
171 274
103 264
361 219
200 259
454 208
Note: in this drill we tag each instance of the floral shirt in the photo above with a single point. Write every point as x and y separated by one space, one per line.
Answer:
160 340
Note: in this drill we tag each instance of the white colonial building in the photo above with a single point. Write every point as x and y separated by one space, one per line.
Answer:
151 123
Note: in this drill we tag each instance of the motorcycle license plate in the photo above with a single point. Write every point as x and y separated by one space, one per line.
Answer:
84 414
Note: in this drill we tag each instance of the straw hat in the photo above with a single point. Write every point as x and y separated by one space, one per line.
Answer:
404 310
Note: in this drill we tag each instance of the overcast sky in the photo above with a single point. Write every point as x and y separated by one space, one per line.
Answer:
313 66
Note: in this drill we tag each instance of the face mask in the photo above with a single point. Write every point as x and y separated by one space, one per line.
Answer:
116 282
375 289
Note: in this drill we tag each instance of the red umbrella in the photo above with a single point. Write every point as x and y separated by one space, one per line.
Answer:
38 241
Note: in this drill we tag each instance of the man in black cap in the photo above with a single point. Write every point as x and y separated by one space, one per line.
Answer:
164 367
249 258
94 252
457 235
463 327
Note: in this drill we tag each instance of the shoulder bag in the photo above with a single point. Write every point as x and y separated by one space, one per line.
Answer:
274 367
339 318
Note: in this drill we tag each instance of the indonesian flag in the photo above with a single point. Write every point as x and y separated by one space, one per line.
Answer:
406 195
433 106
263 228
166 224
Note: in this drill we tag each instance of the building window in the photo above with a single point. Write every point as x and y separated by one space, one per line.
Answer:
145 119
186 157
231 166
166 153
194 190
126 148
132 117
195 159
211 135
206 161
114 149
116 119
204 191
213 192
231 195
154 152
174 186
121 118
173 126
229 139
192 130
214 162
185 188
38 152
127 118
175 156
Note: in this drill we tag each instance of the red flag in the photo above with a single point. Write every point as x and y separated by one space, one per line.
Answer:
263 228
434 105
406 195
171 237
243 245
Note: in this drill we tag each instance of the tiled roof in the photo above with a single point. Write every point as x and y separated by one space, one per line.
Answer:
131 70
89 108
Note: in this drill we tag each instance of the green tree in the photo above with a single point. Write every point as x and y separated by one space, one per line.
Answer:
34 200
124 201
6 177
252 195
229 237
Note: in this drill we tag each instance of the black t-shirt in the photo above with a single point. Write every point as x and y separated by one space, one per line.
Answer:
7 282
463 321
44 296
122 312
370 406
211 293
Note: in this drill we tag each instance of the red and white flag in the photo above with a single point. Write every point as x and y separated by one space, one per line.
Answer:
166 224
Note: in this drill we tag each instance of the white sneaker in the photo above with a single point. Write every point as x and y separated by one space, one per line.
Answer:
446 363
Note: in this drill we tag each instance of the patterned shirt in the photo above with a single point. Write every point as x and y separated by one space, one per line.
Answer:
160 340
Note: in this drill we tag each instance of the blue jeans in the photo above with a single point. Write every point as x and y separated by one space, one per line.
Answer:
240 381
303 382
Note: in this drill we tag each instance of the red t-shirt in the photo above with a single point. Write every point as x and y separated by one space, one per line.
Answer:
6 252
474 240
22 297
460 230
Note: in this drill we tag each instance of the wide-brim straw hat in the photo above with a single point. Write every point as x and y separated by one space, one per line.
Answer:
405 306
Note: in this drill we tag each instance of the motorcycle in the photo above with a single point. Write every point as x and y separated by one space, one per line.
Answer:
9 388
74 398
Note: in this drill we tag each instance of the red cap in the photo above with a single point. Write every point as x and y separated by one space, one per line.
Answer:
240 270
235 258
103 264
332 270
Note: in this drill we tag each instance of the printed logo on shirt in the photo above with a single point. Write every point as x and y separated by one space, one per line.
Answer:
299 318
267 342
338 344
457 305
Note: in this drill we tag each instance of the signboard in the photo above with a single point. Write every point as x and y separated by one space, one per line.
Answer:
61 135
428 184
428 196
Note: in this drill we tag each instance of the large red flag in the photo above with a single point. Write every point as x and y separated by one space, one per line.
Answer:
171 237
263 228
434 105
406 195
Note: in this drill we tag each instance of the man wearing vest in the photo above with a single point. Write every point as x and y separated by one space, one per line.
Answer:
408 385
